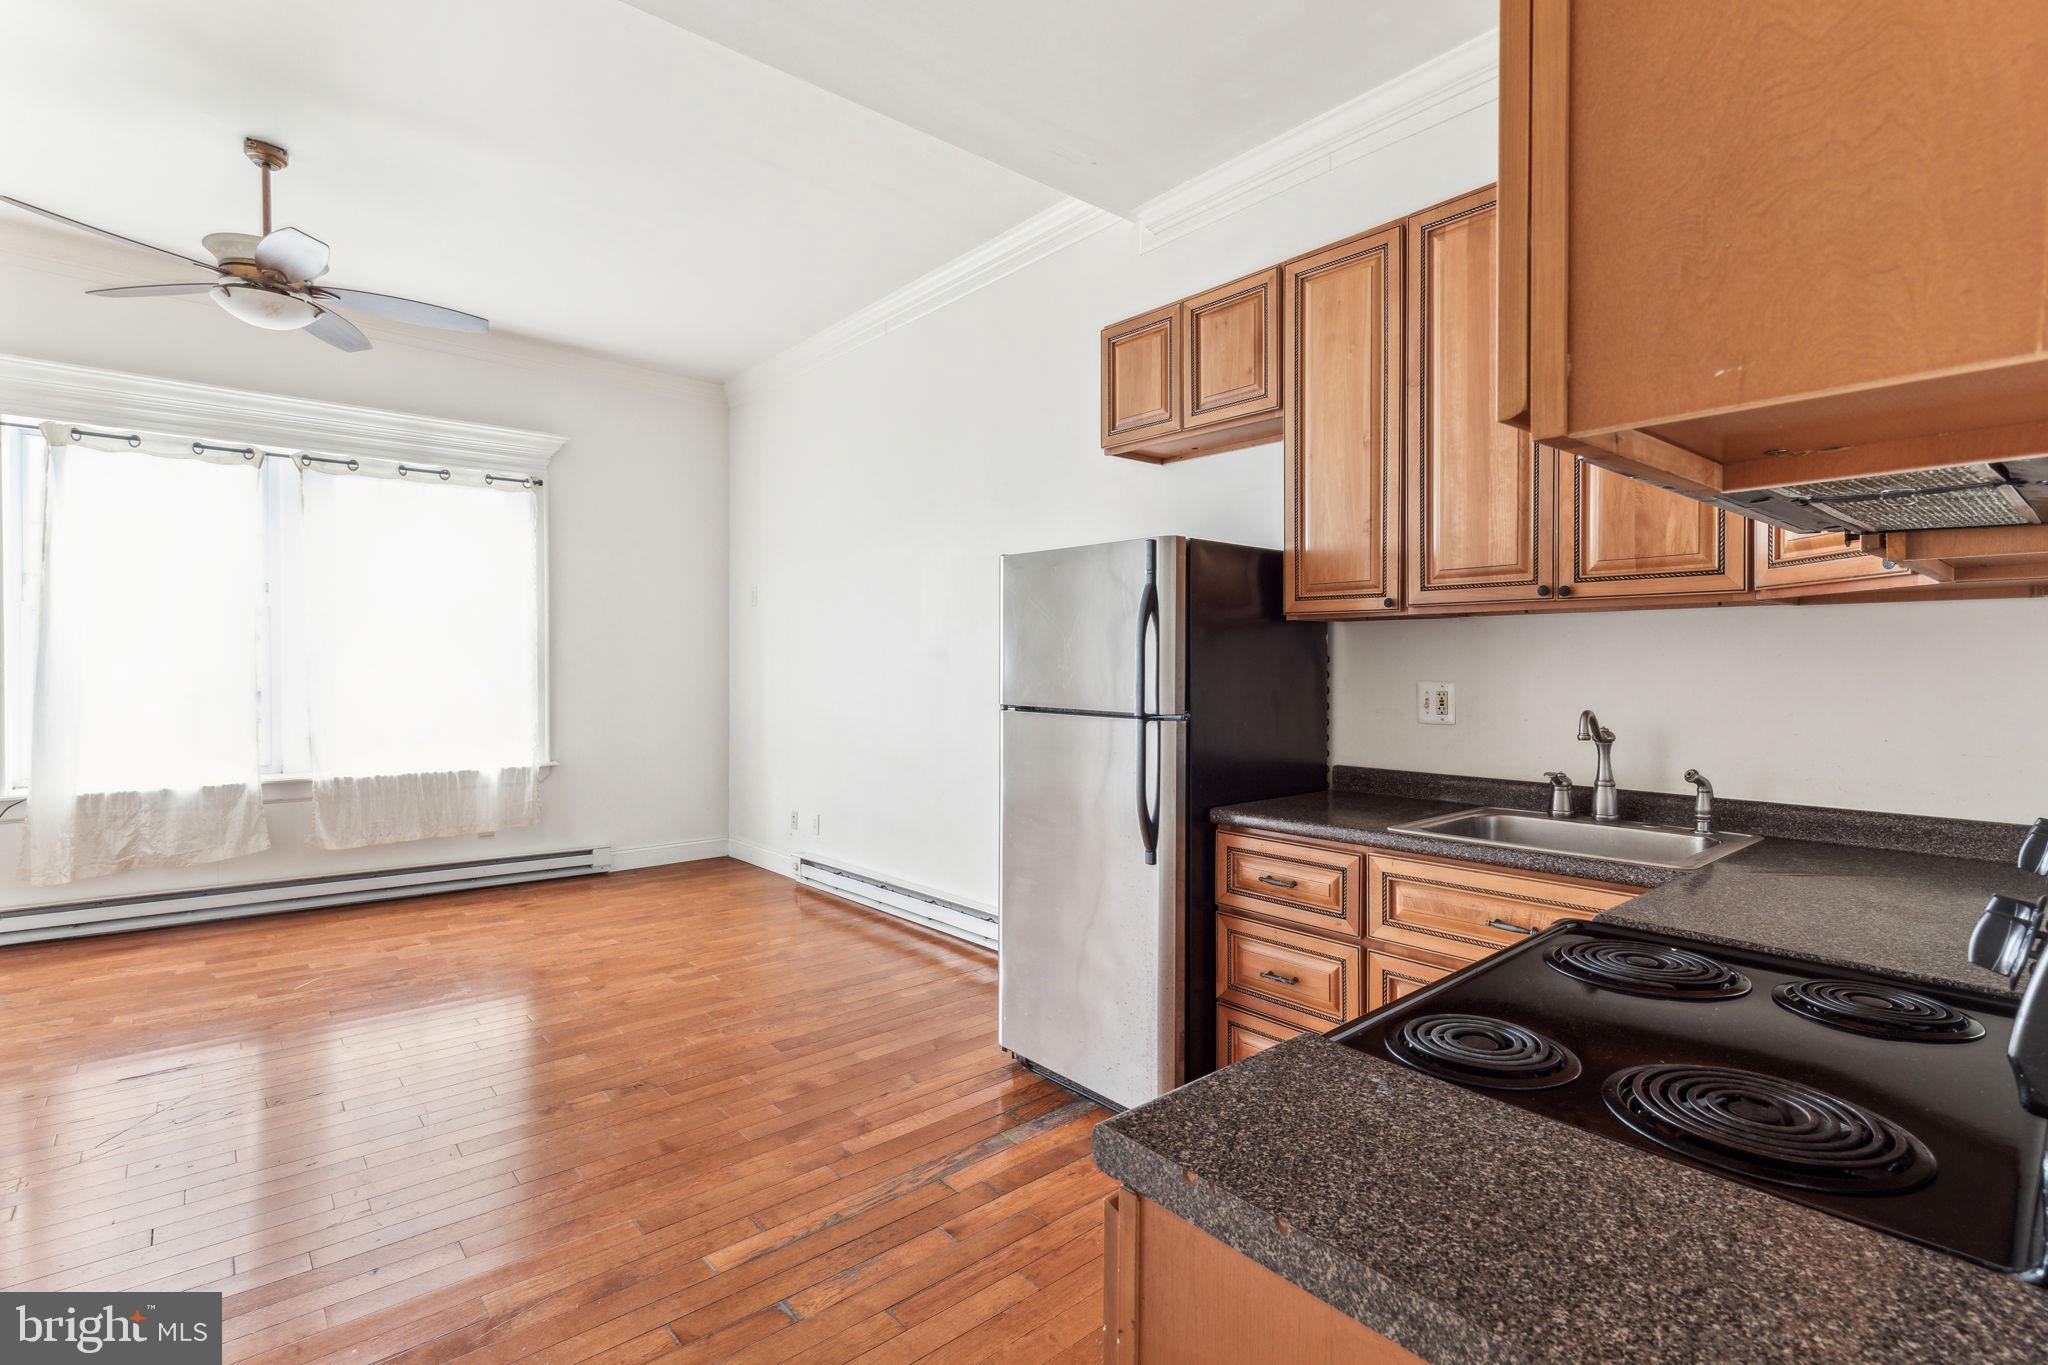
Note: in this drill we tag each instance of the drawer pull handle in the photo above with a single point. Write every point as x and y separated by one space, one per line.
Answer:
1283 980
1284 883
1507 927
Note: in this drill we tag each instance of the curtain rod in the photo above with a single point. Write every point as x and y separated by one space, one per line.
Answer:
304 461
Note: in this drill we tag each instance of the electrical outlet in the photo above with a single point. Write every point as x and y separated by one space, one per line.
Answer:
792 822
1436 703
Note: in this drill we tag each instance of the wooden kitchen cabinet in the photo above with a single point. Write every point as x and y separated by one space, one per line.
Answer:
1623 537
1174 1295
1481 499
1793 559
1311 934
1195 377
1140 378
1343 393
1740 252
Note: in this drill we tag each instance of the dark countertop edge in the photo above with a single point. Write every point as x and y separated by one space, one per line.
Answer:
1514 859
1407 1319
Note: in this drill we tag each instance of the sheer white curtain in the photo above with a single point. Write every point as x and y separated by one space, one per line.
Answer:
143 748
422 651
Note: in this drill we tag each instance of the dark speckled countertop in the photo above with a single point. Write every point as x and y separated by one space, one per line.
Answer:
1470 1230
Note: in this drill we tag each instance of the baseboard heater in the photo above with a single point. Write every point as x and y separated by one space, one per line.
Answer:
119 914
948 917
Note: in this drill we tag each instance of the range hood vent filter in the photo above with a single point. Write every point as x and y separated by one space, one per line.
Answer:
1965 495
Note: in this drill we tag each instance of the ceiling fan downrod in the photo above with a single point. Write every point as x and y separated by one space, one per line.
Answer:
269 157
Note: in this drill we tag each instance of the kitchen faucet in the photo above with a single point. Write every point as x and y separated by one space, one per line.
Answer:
1702 802
1605 806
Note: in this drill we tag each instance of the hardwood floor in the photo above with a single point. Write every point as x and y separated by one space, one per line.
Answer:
692 1112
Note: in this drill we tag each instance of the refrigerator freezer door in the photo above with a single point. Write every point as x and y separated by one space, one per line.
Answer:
1075 628
1091 950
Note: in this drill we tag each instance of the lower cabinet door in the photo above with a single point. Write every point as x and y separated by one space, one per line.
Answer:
1240 1034
1389 976
1287 975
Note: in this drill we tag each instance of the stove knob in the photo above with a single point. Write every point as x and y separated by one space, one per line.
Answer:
2034 849
2004 936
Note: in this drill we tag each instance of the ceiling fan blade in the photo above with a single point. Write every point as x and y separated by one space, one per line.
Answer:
146 291
101 232
338 332
405 310
296 255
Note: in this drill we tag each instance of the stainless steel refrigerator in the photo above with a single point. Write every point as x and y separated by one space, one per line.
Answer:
1144 683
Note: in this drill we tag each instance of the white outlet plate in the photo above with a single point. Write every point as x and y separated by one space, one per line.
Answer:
1436 703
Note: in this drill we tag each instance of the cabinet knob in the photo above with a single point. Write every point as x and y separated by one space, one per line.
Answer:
1386 601
1543 590
1565 591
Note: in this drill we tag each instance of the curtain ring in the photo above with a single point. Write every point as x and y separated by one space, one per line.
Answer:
305 461
353 466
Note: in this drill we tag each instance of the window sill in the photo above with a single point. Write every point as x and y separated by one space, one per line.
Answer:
279 789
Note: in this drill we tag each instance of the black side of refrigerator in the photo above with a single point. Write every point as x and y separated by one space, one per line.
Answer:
1258 727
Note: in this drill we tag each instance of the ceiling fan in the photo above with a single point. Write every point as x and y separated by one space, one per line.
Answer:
267 281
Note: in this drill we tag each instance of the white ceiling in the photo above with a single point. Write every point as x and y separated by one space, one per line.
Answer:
695 191
1112 101
575 170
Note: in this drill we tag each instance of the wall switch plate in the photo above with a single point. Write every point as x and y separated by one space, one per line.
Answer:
1436 703
792 822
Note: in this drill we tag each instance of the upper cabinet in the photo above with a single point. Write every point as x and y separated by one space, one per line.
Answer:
1743 255
1790 559
1343 390
1195 377
1481 497
1627 538
1140 379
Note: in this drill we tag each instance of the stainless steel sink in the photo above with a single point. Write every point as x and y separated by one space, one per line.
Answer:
1617 841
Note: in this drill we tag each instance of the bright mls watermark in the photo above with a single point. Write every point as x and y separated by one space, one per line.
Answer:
168 1329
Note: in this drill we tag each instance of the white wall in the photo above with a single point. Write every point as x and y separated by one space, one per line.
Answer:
1924 707
873 493
637 546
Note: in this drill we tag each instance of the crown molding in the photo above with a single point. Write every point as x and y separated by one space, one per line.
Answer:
1032 240
47 390
56 251
1465 78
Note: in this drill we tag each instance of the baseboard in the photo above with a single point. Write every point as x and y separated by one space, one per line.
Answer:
760 855
659 855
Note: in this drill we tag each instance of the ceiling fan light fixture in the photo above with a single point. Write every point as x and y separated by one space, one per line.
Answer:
271 309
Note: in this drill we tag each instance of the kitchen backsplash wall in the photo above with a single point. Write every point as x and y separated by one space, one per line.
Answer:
1925 708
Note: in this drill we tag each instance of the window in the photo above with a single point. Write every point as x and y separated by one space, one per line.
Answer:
399 627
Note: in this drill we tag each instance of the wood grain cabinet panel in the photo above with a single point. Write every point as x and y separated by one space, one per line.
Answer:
1792 559
1317 889
1231 345
1481 499
1389 977
1140 378
1343 390
1626 538
1241 1034
1297 978
1465 911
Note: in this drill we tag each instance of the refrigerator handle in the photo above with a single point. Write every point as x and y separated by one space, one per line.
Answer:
1148 810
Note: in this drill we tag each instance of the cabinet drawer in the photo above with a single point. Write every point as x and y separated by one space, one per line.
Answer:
1468 912
1291 976
1314 888
1239 1034
1389 977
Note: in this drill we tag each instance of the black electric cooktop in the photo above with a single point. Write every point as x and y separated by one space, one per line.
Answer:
1874 1099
